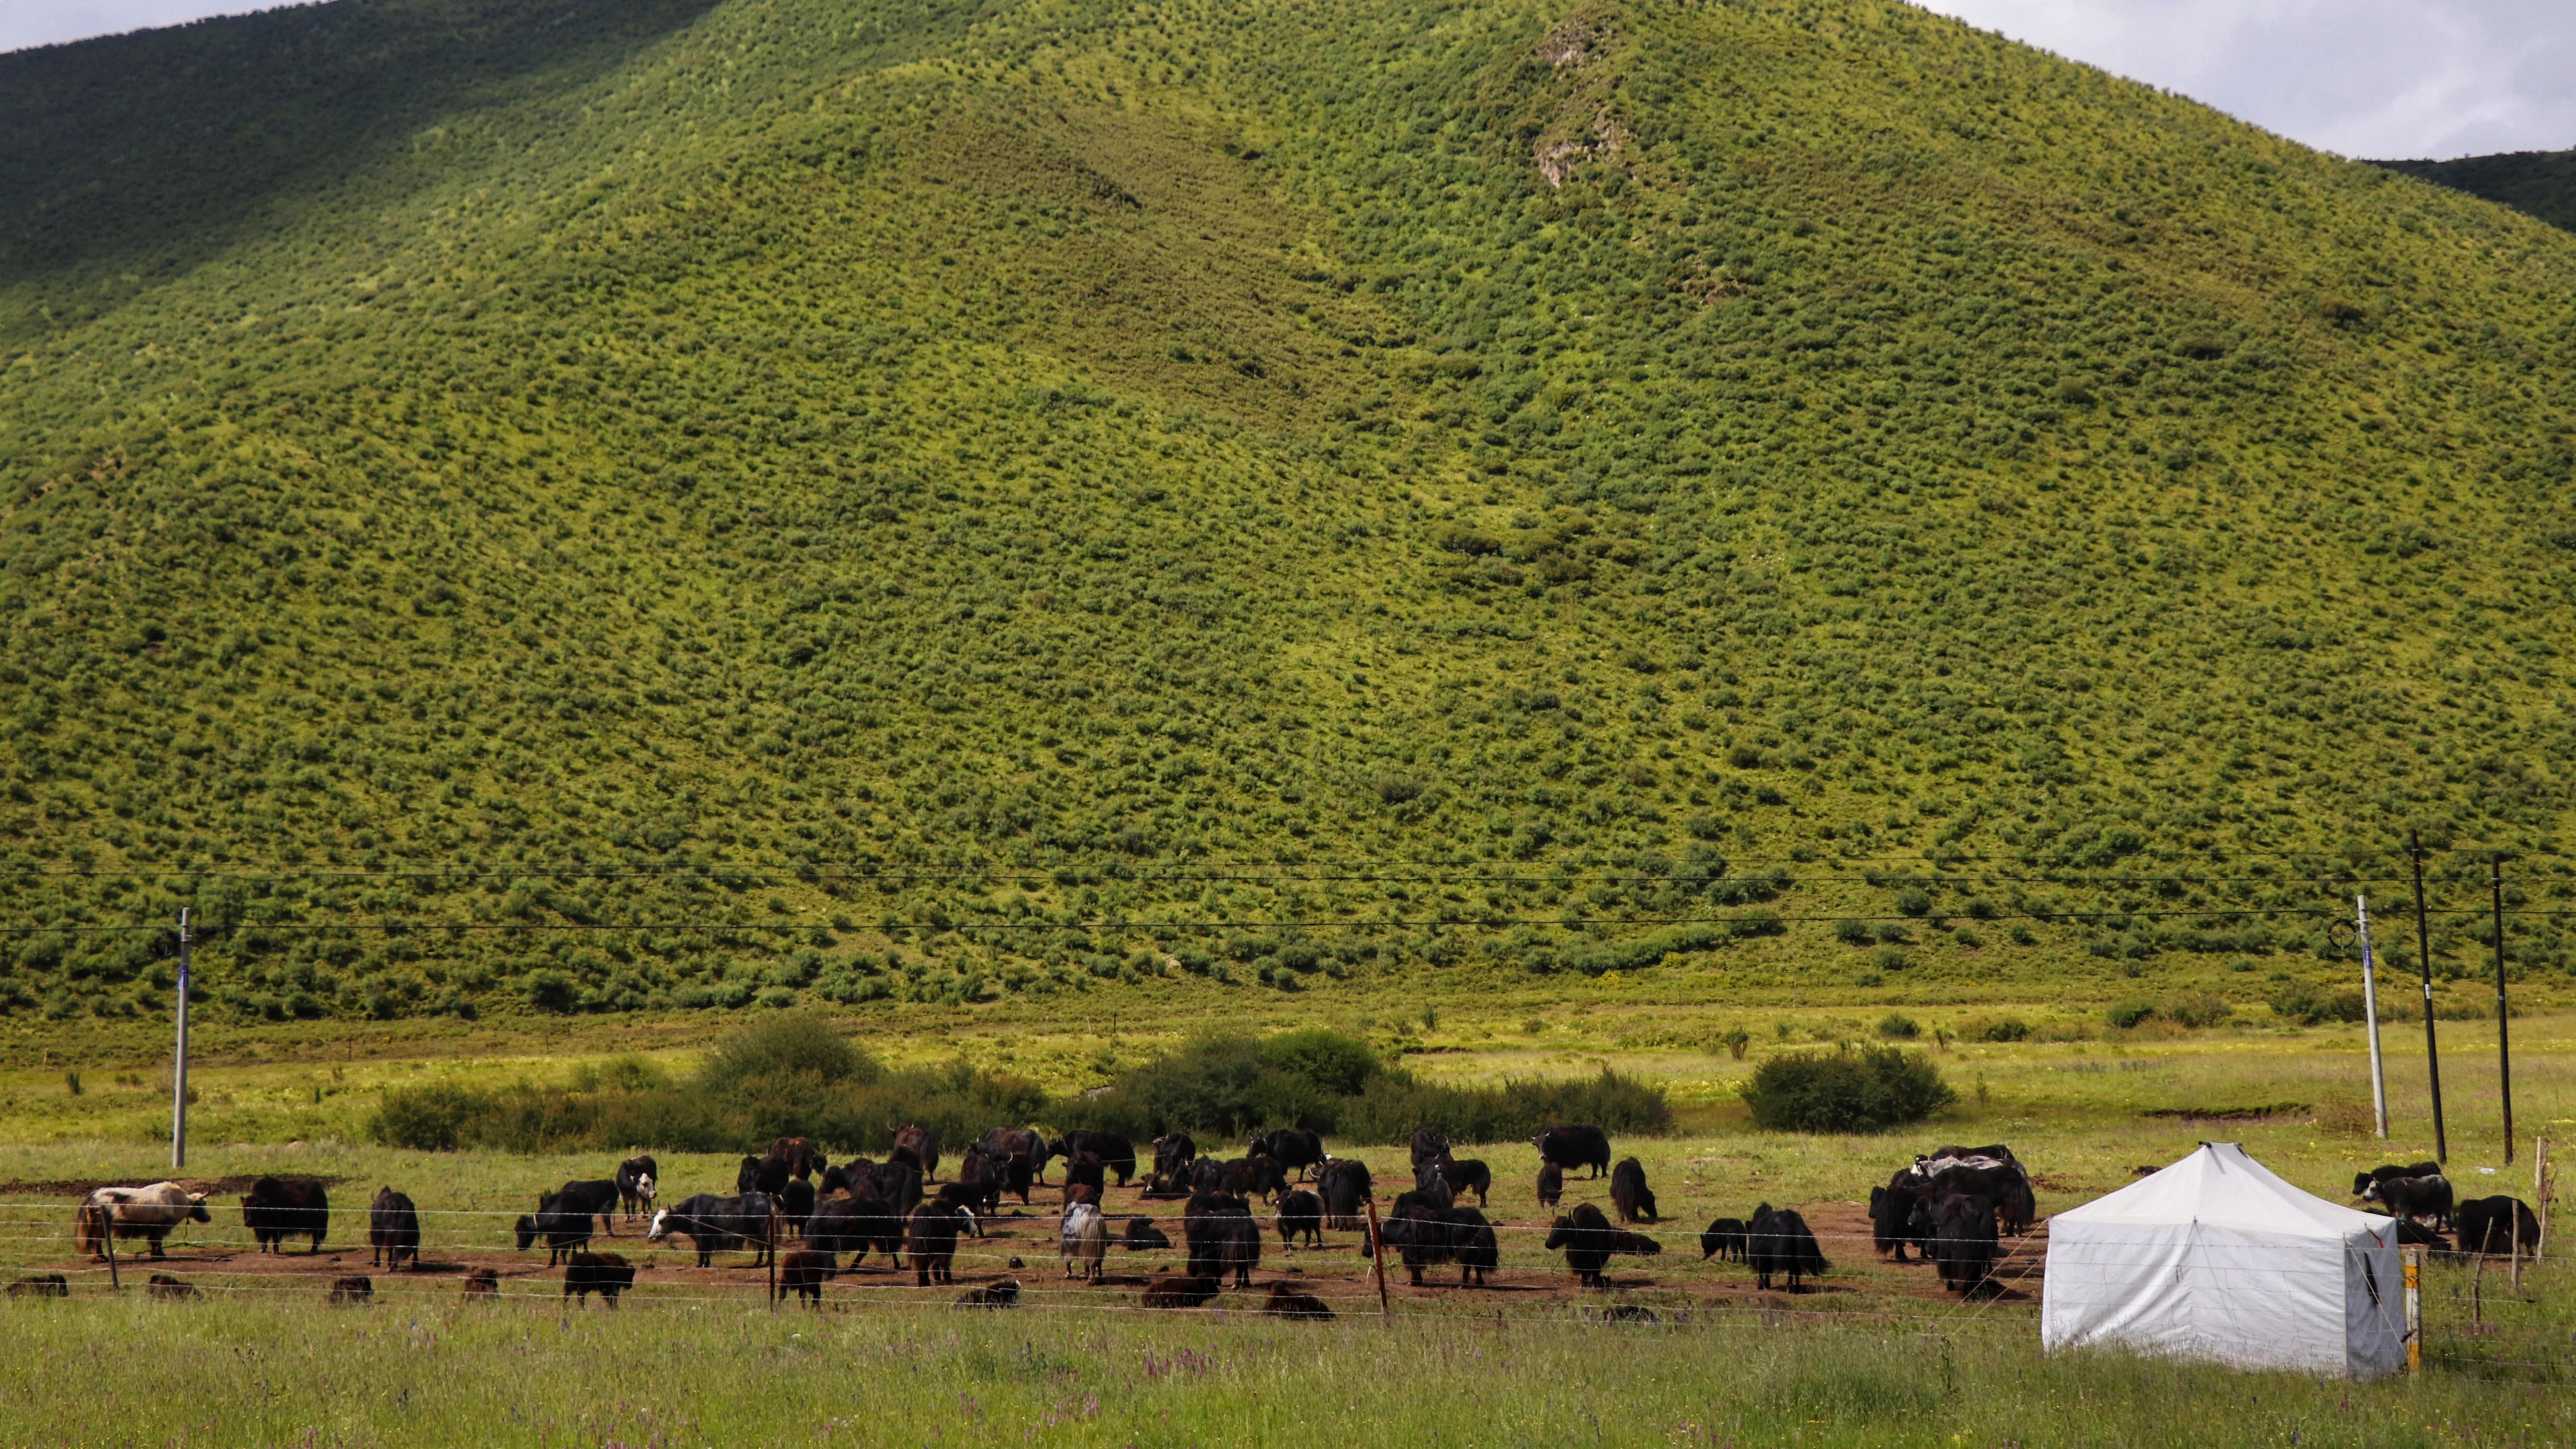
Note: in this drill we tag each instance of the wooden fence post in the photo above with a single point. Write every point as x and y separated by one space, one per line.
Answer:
107 1235
2414 1257
773 1257
1377 1259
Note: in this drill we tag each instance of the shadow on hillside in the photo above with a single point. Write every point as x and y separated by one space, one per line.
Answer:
147 152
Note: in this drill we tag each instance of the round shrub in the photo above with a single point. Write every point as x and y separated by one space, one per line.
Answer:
1845 1090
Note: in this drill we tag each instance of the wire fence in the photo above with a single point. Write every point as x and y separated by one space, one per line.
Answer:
2508 1314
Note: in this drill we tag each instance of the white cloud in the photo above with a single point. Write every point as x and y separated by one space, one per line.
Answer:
2378 78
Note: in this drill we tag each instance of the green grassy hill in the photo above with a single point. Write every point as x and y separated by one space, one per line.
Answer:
2539 183
583 506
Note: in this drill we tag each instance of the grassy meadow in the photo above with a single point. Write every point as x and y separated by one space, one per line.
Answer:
1875 1354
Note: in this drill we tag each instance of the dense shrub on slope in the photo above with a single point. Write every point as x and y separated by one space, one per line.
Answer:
752 503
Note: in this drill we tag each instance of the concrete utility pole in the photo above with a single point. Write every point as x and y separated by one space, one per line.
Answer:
179 1059
2370 1013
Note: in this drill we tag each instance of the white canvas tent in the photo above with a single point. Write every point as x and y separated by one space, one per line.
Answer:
2216 1258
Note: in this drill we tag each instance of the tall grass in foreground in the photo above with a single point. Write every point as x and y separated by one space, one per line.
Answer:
432 1371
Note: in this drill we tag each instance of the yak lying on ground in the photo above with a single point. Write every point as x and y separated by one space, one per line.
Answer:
1629 1193
1581 1145
278 1208
482 1283
2499 1225
172 1290
353 1290
41 1285
1222 1239
1777 1242
1589 1242
1723 1241
605 1274
1287 1302
393 1231
135 1212
1143 1237
1181 1292
638 1179
719 1225
1344 1185
1005 1294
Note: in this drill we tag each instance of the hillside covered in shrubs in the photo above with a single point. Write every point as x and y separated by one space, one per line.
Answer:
513 506
796 1075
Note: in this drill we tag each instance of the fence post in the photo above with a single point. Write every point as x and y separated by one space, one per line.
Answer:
773 1256
2542 1180
2413 1254
107 1235
1377 1259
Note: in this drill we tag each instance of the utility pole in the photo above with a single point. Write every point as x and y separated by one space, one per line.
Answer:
179 1059
2370 1013
2424 960
2504 1044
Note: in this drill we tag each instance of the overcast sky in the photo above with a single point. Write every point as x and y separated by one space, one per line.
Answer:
2378 78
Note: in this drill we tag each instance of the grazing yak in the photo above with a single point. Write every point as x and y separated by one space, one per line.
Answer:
149 1212
1464 1173
1205 1174
1471 1244
2496 1225
393 1231
1428 1146
1989 1171
172 1290
803 1273
278 1208
1023 1156
804 1160
1086 1170
2363 1182
1082 1238
1891 1215
1581 1145
930 1240
846 1222
1005 1294
764 1175
1432 1186
1181 1292
353 1290
1551 1184
565 1229
1418 1231
1172 1152
1344 1185
1723 1241
1143 1237
1959 1229
1260 1177
2416 1197
1589 1242
637 1181
1292 1147
1287 1302
41 1285
1221 1237
1113 1149
981 1179
1777 1242
718 1225
919 1146
1301 1214
482 1283
1629 1193
605 1274
597 1197
796 1204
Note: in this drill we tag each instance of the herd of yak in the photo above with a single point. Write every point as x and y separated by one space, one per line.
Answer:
1951 1208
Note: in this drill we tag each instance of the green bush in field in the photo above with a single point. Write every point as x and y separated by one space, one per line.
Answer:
2129 1013
2311 1005
1845 1090
1896 1026
882 529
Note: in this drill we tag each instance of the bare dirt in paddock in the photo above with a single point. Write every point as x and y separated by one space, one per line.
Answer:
1861 1283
